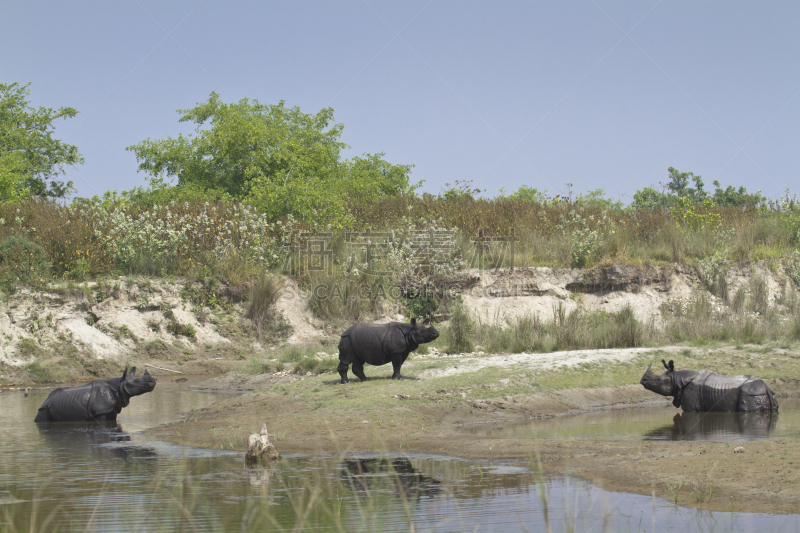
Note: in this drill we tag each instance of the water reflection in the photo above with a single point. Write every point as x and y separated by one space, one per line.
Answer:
719 427
654 422
365 475
100 440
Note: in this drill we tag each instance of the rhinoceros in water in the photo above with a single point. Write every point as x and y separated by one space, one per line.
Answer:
98 400
705 391
378 344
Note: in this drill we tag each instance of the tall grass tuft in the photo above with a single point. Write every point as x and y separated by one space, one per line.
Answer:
338 297
758 295
460 330
567 331
264 293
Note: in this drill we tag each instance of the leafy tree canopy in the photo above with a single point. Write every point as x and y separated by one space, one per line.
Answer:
679 186
459 190
731 196
526 194
598 198
279 158
30 157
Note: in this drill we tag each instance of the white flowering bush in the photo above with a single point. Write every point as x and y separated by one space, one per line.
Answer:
416 258
586 233
178 237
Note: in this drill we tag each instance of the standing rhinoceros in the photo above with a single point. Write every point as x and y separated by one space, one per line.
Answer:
98 400
703 390
378 344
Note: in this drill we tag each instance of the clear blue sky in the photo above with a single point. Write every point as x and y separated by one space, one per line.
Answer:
598 94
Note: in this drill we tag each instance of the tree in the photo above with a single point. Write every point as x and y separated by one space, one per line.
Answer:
524 193
372 176
730 196
598 198
30 157
679 185
279 158
649 198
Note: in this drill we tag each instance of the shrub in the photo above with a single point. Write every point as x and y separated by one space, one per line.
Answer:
421 305
22 261
176 328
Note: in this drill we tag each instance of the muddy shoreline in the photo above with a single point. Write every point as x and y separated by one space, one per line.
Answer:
705 475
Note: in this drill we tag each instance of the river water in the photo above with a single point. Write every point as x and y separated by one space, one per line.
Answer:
77 477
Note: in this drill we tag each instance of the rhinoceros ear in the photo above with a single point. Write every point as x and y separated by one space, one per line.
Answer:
671 365
427 320
414 321
665 364
124 373
133 371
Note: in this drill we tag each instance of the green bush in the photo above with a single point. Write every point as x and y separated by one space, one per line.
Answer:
22 261
422 305
176 328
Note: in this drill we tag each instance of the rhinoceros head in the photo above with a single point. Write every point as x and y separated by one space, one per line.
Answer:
423 332
660 384
135 385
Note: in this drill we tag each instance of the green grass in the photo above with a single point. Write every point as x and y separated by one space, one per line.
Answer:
301 358
377 394
45 372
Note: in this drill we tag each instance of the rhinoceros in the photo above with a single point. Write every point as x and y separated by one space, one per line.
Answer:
98 400
704 391
378 344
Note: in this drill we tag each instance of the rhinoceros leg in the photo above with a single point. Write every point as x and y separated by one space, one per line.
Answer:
342 368
358 369
397 362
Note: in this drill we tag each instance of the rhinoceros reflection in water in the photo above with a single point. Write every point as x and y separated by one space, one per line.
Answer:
101 440
717 426
371 474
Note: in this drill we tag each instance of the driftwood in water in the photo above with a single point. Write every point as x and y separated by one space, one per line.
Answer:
260 448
